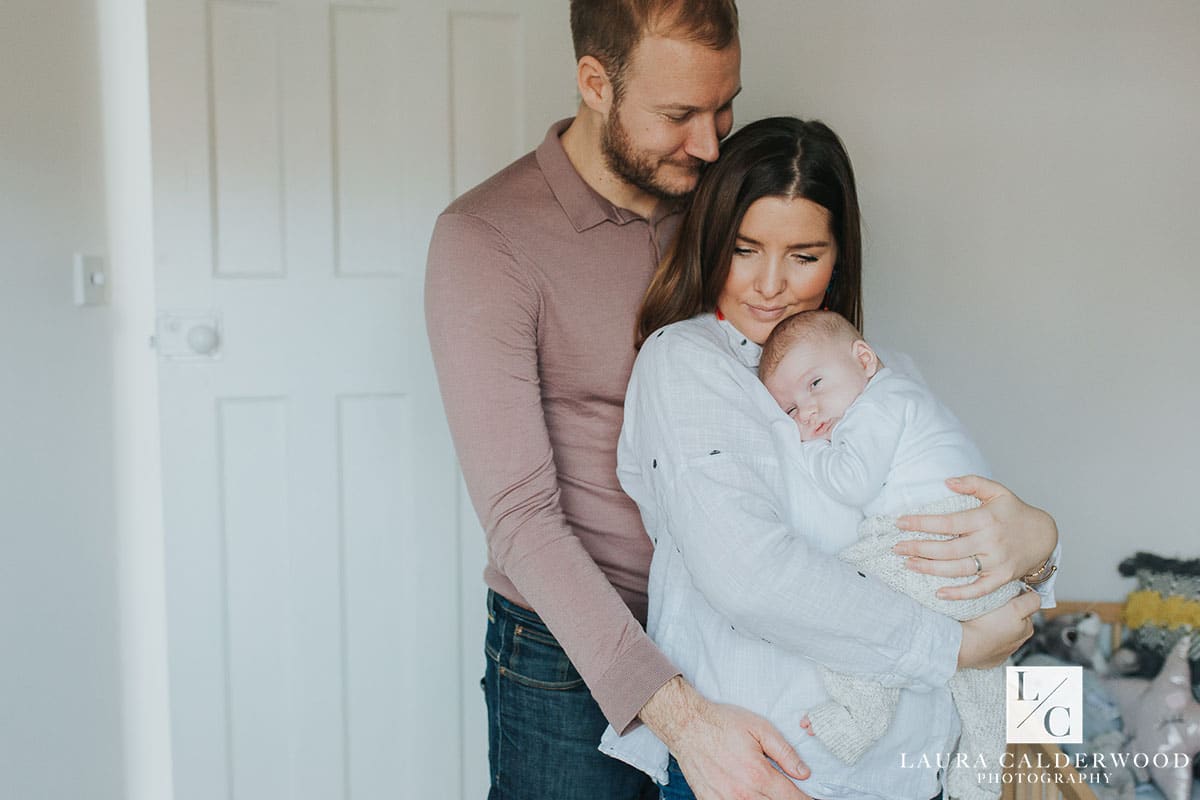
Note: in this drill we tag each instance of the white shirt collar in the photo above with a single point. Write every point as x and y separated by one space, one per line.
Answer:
744 350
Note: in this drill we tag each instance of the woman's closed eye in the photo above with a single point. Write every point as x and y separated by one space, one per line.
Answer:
742 250
805 258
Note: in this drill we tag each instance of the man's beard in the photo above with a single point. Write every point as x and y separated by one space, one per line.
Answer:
636 168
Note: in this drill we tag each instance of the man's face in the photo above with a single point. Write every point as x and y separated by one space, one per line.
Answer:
817 381
675 106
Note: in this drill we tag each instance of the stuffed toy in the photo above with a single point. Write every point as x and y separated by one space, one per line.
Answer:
1164 607
1070 638
1075 639
1162 720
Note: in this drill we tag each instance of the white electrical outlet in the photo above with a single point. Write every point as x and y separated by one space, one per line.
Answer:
91 280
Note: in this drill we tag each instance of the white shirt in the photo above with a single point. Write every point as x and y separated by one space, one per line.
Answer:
893 449
745 585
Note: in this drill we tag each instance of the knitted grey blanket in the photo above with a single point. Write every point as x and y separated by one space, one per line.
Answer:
859 710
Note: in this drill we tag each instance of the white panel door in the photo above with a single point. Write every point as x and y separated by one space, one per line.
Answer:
323 572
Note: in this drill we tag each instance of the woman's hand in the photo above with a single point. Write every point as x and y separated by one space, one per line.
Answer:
988 640
1002 540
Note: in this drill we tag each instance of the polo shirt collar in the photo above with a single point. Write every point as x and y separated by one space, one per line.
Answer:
583 205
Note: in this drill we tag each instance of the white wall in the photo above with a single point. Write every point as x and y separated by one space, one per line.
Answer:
1031 185
59 687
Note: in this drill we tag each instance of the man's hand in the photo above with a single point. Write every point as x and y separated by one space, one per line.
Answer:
988 640
1009 537
723 749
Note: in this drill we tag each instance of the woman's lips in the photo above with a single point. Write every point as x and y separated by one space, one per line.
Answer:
767 314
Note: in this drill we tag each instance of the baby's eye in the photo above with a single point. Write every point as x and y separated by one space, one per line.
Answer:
813 385
791 412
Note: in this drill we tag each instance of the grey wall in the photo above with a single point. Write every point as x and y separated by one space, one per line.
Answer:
1030 182
59 680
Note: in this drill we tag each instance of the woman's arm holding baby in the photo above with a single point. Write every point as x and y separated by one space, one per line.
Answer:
697 458
1011 539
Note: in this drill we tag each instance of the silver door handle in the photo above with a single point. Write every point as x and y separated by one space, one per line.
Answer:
203 339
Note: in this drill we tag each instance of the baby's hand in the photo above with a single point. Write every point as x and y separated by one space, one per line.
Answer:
806 723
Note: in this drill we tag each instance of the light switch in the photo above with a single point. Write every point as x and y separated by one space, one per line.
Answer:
91 280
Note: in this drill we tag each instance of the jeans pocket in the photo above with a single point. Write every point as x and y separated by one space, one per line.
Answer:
537 660
526 652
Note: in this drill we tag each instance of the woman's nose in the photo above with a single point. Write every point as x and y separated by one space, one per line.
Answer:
771 281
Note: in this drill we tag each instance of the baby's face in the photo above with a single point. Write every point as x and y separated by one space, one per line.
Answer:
816 382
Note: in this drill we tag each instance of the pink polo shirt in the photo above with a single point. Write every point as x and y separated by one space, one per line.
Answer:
531 294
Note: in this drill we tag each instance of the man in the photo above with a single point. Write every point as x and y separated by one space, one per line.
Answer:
534 281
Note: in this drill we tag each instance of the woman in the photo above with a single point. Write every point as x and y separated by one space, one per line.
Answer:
745 591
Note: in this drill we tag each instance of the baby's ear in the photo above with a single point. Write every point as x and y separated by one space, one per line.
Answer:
866 357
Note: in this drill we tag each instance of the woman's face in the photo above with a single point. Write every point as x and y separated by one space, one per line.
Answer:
782 261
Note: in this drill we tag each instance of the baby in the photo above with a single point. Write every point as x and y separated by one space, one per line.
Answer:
880 441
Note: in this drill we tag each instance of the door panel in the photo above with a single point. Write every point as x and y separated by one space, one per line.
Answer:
247 135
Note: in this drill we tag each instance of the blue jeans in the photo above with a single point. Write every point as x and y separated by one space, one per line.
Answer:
543 725
678 789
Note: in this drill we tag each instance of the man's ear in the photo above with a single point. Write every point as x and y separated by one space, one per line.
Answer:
595 89
866 357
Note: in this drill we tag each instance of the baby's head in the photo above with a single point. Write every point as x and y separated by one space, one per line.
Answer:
815 364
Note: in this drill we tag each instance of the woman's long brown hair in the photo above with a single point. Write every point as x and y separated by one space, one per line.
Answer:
775 157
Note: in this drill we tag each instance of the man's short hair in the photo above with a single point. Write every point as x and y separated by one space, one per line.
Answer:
609 30
805 327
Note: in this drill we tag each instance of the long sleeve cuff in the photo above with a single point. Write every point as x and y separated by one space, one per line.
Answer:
631 682
933 657
1046 590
